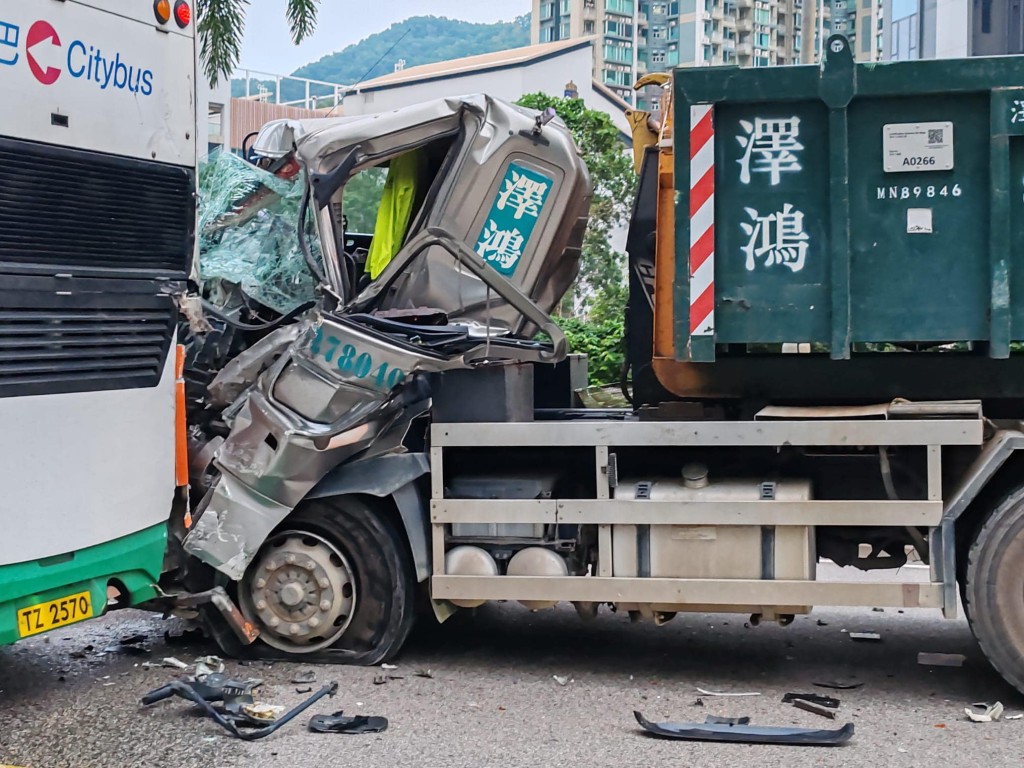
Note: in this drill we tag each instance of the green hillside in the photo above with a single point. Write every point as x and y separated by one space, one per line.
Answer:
418 40
426 39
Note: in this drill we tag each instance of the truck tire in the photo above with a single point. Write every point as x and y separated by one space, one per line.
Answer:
333 584
994 592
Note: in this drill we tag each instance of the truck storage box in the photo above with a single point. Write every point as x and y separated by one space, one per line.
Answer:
845 205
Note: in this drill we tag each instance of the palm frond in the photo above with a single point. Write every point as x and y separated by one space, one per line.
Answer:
302 18
220 29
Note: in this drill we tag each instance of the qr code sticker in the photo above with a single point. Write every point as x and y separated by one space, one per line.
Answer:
935 135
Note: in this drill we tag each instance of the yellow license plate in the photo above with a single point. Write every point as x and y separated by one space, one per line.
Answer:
56 613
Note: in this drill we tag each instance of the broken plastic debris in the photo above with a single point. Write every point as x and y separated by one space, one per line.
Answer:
868 637
1012 717
425 673
941 659
560 679
338 723
816 698
716 720
389 666
129 649
82 653
175 663
726 693
227 719
306 676
265 713
208 665
991 712
836 685
746 734
817 709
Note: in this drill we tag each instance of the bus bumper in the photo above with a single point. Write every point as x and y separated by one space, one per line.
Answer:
132 563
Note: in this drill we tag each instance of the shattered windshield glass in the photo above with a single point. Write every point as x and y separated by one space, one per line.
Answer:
247 242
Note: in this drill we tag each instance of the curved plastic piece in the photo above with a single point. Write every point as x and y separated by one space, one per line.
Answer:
747 734
338 723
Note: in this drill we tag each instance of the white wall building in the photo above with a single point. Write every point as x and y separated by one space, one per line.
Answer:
213 113
507 75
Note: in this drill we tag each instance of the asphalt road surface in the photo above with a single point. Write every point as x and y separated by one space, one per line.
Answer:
493 699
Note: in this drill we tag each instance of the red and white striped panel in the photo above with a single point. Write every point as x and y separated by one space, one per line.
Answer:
702 220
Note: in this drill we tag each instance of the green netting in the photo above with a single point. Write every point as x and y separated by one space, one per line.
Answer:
247 238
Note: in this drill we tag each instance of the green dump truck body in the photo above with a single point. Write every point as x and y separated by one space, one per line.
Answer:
849 204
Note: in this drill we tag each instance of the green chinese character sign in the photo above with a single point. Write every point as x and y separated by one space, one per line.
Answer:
512 218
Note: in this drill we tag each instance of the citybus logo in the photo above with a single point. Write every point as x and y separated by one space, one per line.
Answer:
40 43
47 59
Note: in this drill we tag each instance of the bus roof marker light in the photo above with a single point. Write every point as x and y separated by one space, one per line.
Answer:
162 10
182 13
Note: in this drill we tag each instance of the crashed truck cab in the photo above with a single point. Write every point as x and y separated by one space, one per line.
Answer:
477 238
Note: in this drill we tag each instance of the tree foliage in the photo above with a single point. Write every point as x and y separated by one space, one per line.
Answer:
361 199
221 24
601 342
594 310
600 289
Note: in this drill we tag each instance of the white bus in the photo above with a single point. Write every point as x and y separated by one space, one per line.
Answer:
97 230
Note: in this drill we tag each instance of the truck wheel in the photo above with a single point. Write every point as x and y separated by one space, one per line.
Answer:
994 592
335 578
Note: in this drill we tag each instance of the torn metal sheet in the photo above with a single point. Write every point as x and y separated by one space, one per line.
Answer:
747 734
302 419
497 151
242 371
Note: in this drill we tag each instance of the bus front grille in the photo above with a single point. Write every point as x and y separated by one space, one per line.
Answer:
69 211
82 343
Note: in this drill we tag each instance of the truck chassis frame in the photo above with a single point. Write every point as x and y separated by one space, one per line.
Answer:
937 513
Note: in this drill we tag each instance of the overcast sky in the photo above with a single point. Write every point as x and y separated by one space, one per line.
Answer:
268 48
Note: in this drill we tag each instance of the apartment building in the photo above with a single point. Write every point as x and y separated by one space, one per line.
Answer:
927 29
637 36
861 22
614 23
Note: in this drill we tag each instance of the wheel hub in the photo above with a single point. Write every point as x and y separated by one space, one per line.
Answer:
300 589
